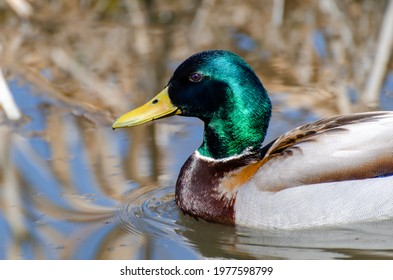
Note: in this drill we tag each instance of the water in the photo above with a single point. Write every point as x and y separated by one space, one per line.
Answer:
68 196
71 188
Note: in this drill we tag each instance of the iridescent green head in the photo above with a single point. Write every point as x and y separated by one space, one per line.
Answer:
223 91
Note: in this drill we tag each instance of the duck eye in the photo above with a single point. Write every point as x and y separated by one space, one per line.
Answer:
195 77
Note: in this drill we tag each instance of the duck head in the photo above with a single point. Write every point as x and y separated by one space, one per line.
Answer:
222 90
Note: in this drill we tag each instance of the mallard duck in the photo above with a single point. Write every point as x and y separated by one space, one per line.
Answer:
333 171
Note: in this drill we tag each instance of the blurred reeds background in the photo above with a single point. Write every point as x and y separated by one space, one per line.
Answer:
95 59
117 52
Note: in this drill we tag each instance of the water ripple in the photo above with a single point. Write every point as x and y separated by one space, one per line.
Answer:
152 212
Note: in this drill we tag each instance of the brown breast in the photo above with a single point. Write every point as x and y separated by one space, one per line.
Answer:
202 189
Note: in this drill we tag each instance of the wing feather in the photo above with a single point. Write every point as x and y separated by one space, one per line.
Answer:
346 147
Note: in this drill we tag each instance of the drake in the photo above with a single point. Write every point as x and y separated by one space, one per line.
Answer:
333 171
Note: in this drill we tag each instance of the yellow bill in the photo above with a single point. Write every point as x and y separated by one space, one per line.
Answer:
159 107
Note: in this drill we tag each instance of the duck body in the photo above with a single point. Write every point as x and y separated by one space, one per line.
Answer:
313 181
333 171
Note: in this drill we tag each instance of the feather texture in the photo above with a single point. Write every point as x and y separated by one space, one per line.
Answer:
333 171
351 147
315 205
